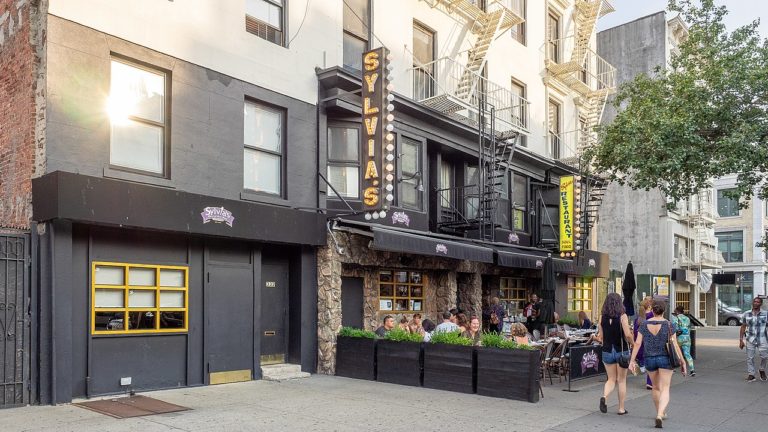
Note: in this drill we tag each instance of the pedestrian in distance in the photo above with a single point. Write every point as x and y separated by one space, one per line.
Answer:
495 315
683 324
753 331
653 336
644 314
614 333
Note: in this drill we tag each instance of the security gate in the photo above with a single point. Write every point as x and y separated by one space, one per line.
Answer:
14 320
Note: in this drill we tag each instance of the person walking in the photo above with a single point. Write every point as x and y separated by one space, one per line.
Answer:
613 331
653 336
644 314
754 330
495 316
683 324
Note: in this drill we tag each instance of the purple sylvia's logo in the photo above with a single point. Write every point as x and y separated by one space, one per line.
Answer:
513 238
401 217
589 361
592 262
539 263
217 215
441 248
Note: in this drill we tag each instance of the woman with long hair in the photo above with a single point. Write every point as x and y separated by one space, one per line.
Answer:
644 313
462 322
613 331
653 335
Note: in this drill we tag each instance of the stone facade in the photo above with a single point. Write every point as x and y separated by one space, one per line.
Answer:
470 293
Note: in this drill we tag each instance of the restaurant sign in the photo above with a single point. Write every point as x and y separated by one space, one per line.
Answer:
379 140
585 361
567 228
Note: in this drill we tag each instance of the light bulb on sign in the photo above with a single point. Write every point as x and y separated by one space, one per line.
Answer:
390 78
390 197
375 215
390 157
390 127
390 97
390 177
578 178
390 107
562 254
390 147
367 216
390 168
390 137
390 87
389 187
390 117
383 214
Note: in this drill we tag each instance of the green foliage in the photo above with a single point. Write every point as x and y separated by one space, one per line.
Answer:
399 335
450 338
571 320
356 333
496 340
702 117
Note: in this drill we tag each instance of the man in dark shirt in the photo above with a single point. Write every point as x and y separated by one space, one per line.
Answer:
532 311
389 324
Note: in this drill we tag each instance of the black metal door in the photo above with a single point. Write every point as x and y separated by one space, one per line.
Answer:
352 302
14 320
274 312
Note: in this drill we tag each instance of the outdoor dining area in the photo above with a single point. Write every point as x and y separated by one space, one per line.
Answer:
557 348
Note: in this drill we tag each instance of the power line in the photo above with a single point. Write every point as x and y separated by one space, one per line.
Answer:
306 8
367 26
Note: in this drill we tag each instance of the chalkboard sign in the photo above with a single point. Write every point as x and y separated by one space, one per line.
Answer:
586 361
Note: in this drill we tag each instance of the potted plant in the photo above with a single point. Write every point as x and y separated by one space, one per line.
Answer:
398 358
570 320
507 370
448 363
356 354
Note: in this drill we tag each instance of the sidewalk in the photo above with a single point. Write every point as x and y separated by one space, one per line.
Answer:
716 400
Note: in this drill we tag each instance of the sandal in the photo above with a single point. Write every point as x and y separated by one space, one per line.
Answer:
658 423
623 413
603 406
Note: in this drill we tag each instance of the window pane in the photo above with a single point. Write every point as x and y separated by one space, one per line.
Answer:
139 276
108 275
105 321
519 220
416 277
172 299
137 145
265 11
386 290
109 298
409 161
136 92
345 180
401 277
141 320
353 51
171 320
401 305
423 48
356 17
343 144
171 278
141 298
261 171
520 196
409 194
385 276
726 206
263 127
445 182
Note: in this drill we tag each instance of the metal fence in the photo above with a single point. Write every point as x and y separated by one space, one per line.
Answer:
14 320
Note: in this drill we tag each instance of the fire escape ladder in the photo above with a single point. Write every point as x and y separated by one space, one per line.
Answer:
489 27
596 188
586 14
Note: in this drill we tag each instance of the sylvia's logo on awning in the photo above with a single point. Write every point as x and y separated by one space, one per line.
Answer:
402 218
513 238
217 215
592 262
441 248
539 263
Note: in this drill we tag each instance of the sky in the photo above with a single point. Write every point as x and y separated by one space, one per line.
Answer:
740 12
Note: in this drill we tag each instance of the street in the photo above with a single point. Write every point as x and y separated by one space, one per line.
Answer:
717 399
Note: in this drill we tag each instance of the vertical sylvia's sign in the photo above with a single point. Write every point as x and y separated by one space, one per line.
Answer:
378 138
566 214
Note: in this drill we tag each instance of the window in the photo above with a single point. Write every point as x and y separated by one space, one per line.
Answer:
423 58
344 160
518 31
580 295
471 192
401 291
702 305
731 245
513 293
519 108
138 298
445 184
520 202
553 37
683 299
137 111
554 120
503 203
264 18
263 160
410 174
357 19
727 206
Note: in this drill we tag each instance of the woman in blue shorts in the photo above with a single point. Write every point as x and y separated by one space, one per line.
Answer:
613 331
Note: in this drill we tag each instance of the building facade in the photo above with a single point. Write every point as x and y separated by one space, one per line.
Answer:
669 244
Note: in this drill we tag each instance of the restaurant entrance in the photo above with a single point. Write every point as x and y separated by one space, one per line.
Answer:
274 312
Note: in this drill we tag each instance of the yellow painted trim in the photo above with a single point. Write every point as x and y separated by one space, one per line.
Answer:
229 376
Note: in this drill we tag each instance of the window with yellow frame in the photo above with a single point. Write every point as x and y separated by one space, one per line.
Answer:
580 295
401 291
513 292
138 298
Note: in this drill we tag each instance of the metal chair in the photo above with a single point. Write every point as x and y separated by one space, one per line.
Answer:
546 358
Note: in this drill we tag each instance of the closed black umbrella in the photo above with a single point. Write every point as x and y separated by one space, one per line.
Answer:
548 287
628 289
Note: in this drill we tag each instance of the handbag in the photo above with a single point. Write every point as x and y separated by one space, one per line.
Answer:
674 360
623 360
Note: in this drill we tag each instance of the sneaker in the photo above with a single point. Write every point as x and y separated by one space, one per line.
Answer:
751 378
762 376
693 374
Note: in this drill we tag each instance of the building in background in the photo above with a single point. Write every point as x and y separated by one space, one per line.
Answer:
669 244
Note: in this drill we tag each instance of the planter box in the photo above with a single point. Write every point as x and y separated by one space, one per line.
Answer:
449 367
510 374
398 362
356 358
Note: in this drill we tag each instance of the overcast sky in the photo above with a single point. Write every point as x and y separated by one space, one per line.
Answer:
740 12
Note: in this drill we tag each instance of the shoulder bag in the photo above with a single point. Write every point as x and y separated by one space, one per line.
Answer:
674 360
623 360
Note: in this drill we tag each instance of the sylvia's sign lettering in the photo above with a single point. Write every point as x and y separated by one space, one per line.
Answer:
566 214
378 173
401 218
441 248
217 215
589 361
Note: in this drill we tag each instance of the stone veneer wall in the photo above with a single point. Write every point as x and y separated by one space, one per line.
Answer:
470 293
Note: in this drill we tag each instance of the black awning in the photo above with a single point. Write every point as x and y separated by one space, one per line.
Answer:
398 241
521 259
591 263
562 265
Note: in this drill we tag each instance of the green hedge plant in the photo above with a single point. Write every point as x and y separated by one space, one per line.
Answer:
400 335
570 320
356 333
495 340
450 338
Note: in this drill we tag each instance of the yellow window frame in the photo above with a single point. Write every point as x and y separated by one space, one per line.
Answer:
126 288
580 294
513 291
394 297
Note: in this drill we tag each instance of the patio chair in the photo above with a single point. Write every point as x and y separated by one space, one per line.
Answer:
553 364
549 352
535 335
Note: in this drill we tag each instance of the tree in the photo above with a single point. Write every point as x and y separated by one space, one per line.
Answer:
701 117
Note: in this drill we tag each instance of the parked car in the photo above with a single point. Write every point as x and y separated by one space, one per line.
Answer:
728 315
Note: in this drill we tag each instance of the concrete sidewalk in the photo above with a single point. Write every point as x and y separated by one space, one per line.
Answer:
716 400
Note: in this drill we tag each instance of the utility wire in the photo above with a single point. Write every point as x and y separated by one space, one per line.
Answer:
367 26
306 9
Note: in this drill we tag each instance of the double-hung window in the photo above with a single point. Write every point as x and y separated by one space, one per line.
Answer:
553 37
731 245
520 202
424 80
138 118
344 160
263 150
727 206
518 31
264 18
410 174
357 20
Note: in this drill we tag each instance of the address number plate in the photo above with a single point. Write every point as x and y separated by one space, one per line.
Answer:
271 284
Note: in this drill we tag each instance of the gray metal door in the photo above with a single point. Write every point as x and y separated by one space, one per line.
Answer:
352 302
274 311
14 320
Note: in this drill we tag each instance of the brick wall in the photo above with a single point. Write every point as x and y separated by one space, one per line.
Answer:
21 109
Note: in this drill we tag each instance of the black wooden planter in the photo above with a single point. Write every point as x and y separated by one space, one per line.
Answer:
356 357
449 367
398 362
510 374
